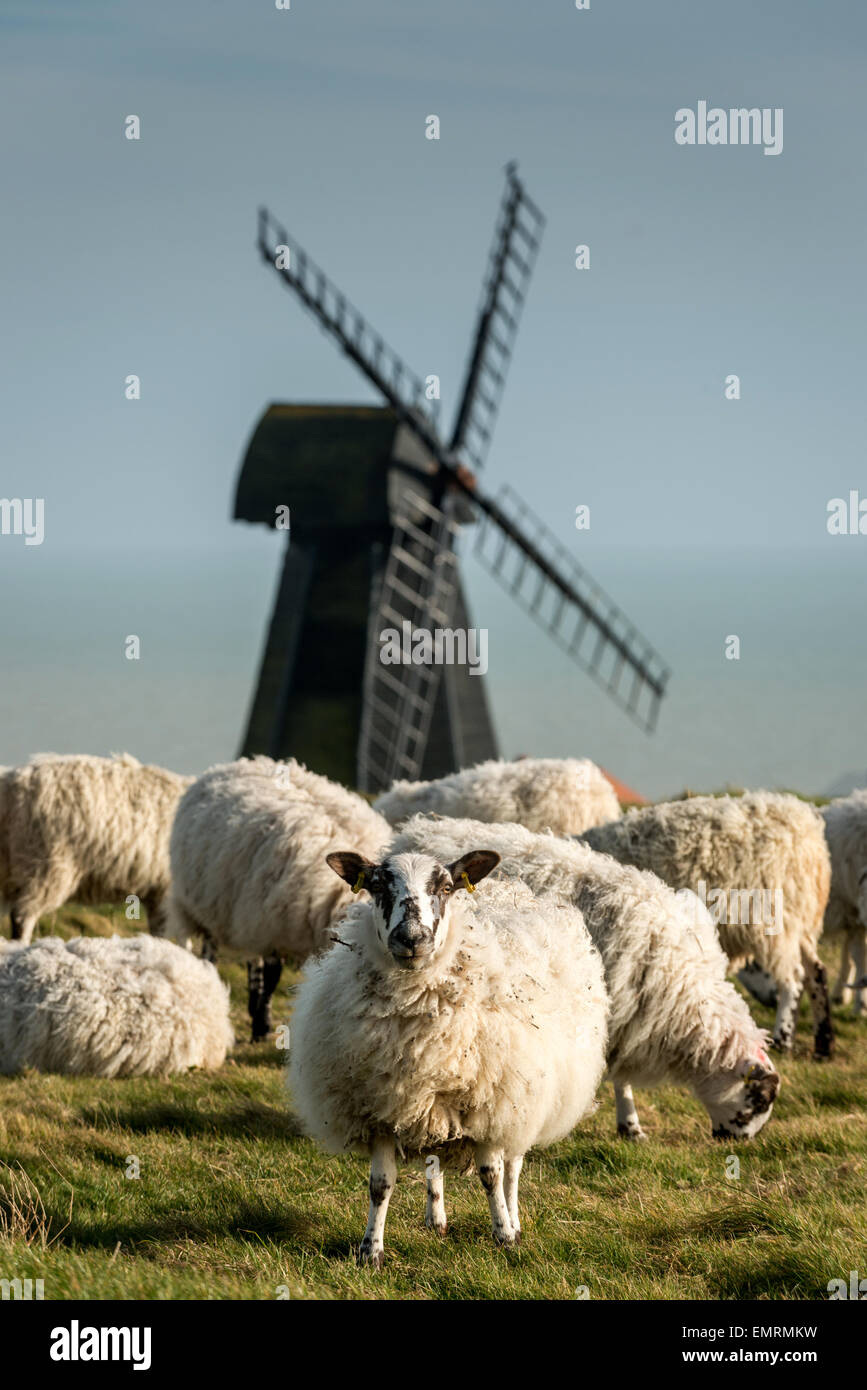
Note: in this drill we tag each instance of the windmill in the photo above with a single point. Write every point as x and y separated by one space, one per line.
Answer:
378 497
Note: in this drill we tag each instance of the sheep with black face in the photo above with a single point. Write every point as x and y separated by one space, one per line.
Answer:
448 1026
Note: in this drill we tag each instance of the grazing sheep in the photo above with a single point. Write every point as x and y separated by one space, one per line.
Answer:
248 865
566 795
673 1014
846 829
96 829
110 1006
448 1029
761 863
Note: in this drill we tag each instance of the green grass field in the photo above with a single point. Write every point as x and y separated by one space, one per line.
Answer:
232 1203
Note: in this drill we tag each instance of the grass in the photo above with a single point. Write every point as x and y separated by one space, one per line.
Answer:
232 1203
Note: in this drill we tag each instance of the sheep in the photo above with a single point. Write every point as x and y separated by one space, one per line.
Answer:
96 829
673 1014
248 865
760 861
566 795
846 829
110 1006
457 1030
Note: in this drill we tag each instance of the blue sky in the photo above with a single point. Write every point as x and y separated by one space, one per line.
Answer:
137 257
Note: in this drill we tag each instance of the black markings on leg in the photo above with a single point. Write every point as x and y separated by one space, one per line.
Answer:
380 1187
272 969
488 1177
256 998
823 1034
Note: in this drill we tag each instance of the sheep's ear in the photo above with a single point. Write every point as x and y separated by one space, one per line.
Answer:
472 867
354 869
757 1068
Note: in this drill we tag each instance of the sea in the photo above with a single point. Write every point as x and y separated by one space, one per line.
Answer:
788 711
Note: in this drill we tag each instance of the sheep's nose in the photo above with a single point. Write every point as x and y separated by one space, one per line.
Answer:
409 939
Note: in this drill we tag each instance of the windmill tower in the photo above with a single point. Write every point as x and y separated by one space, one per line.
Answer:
377 500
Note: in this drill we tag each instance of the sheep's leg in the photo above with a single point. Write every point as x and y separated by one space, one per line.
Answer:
841 988
760 984
859 956
512 1175
489 1161
209 950
788 999
23 924
817 985
435 1208
628 1123
155 909
272 970
255 991
383 1175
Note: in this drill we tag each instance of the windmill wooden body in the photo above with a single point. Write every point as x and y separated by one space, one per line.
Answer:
377 500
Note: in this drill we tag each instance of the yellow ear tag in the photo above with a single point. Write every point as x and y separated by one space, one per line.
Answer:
359 883
471 887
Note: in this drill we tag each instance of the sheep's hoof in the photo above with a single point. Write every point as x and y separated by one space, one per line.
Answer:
372 1259
504 1239
781 1044
439 1230
634 1133
518 1236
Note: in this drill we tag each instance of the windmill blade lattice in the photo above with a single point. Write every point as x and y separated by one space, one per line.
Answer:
337 316
418 587
510 265
541 575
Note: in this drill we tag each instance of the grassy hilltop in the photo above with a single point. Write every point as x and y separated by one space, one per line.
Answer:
232 1202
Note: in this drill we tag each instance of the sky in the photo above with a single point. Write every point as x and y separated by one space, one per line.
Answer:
708 515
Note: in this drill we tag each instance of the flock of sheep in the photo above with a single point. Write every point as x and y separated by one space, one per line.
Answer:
481 949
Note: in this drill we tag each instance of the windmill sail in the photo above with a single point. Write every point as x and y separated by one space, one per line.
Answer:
541 575
510 265
402 388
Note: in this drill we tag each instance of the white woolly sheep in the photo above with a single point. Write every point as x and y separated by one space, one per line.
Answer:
248 865
96 829
846 828
455 1030
761 863
566 795
673 1014
110 1006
